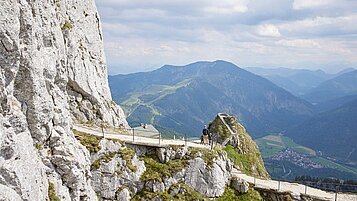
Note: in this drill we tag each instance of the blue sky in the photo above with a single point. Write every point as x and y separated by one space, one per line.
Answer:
141 35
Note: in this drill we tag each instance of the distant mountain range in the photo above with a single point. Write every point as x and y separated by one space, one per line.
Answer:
333 132
184 98
181 99
296 81
335 88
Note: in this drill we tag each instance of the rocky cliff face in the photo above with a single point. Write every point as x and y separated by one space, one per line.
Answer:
124 172
53 74
241 148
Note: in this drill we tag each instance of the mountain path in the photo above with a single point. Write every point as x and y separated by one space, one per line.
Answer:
294 188
138 140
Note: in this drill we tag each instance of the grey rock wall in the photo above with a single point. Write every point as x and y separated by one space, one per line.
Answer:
52 74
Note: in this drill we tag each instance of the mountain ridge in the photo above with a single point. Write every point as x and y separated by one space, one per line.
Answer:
322 130
296 81
342 85
247 94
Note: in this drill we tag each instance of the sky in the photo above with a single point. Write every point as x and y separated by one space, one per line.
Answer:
142 35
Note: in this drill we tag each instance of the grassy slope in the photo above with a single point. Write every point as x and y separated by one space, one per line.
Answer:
231 195
272 144
150 95
246 155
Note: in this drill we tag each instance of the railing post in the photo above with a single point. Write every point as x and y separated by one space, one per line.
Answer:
255 181
279 185
103 130
305 189
336 193
159 138
185 139
133 134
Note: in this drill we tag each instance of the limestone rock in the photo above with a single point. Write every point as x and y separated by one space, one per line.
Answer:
210 181
240 185
169 153
8 194
123 195
155 186
52 74
115 173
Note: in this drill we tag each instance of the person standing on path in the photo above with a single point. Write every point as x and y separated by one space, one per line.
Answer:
205 135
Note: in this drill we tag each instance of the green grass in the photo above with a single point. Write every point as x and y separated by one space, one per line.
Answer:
38 146
244 154
246 162
156 170
207 155
106 158
330 164
52 196
232 195
217 126
273 144
127 154
135 99
186 193
67 25
91 142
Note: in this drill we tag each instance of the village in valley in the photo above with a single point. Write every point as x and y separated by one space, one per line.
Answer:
299 159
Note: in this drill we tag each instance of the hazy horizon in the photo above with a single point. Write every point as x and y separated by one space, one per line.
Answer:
328 71
298 34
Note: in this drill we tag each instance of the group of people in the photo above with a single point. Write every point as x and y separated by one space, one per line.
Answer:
206 136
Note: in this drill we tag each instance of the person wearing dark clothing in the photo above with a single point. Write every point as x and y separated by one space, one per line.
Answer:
205 135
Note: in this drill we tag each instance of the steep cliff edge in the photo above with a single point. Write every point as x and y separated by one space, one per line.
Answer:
241 148
53 74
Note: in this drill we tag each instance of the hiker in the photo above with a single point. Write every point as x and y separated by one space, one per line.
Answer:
205 135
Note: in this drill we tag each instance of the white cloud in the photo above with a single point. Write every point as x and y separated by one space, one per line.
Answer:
269 30
303 4
226 10
141 35
299 43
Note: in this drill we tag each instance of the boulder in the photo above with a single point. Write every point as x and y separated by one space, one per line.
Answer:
240 185
208 180
123 195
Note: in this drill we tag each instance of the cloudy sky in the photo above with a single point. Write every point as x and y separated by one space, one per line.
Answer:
142 35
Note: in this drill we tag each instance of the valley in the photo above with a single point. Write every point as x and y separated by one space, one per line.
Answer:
284 159
184 98
179 100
